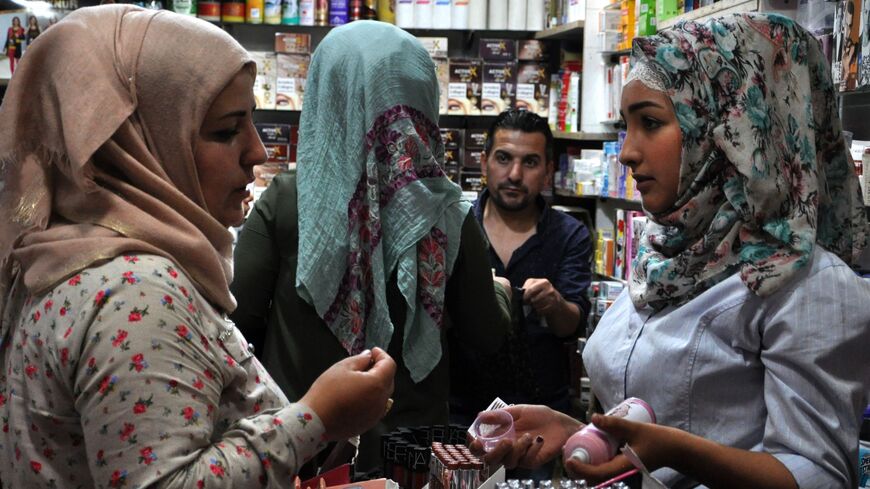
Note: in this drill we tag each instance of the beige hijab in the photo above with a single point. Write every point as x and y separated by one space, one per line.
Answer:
97 136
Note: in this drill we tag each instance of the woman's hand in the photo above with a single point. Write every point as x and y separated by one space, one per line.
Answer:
540 434
651 442
351 396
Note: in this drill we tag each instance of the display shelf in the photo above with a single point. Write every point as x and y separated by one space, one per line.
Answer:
602 277
718 8
585 136
632 205
323 29
617 53
565 31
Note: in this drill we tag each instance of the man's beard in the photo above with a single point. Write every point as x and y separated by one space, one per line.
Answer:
511 207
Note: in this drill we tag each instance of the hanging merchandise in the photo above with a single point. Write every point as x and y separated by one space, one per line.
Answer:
535 15
338 12
290 12
233 11
423 14
477 14
405 14
254 12
517 15
498 15
186 7
208 10
441 14
321 12
306 12
387 11
459 15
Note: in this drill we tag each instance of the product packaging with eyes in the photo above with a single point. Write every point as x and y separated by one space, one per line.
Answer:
464 88
292 72
533 91
267 76
499 82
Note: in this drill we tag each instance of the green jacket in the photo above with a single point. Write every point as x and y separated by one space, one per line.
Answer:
295 344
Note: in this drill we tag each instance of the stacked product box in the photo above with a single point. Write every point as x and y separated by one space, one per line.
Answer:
463 90
533 78
499 74
264 85
453 152
437 49
472 177
293 59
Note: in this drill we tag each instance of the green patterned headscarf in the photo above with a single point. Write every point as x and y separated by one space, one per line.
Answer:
765 173
373 197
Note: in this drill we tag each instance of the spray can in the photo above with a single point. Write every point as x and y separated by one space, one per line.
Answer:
290 12
233 11
186 7
208 10
321 12
306 12
254 11
593 446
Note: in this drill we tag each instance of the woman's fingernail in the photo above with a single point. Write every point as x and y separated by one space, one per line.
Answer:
539 439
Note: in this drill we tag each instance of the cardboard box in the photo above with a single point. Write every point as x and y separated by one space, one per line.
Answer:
533 90
475 138
277 152
471 180
453 157
452 138
497 49
264 84
473 158
463 90
292 72
292 43
532 50
499 85
435 46
274 133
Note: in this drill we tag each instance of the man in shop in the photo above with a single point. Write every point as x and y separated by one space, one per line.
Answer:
546 256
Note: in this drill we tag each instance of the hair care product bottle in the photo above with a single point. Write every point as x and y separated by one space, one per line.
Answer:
593 446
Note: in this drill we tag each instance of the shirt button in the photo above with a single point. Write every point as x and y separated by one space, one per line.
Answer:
251 348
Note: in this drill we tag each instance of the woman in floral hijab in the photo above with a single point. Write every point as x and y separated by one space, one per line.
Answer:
743 326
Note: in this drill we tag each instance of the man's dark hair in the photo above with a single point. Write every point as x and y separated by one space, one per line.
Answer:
520 120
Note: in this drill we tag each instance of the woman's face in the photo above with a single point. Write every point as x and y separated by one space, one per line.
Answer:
33 22
653 145
226 150
16 22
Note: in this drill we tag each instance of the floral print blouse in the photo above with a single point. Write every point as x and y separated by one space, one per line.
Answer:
125 376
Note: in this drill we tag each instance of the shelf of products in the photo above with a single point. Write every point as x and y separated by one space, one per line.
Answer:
601 277
571 30
627 204
231 27
584 136
616 54
718 8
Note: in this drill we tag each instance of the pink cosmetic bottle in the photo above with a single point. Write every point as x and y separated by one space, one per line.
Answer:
592 446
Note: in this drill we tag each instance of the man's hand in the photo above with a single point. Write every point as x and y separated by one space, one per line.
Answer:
562 316
541 295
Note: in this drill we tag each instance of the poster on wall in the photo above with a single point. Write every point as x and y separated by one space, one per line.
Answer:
21 28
